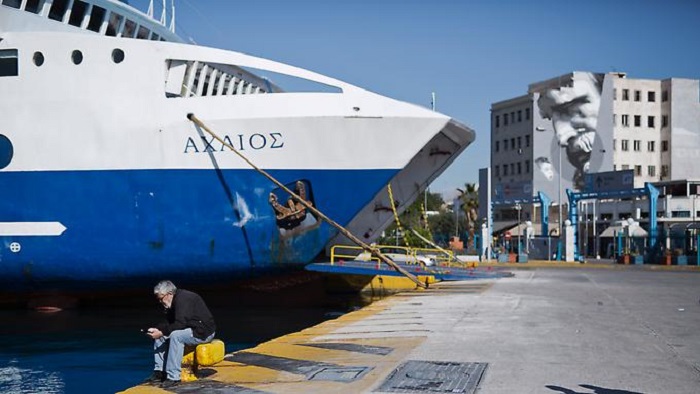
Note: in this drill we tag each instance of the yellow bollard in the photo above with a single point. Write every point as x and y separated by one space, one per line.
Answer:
204 355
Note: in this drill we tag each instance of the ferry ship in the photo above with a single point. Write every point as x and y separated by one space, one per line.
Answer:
107 184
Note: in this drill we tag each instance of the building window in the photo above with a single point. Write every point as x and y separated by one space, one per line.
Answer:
520 140
512 143
637 120
520 115
505 169
664 171
637 145
637 95
497 168
680 214
614 93
650 121
527 113
651 170
512 168
625 145
614 120
651 96
527 166
498 121
505 144
664 95
638 170
625 167
505 119
625 94
651 146
625 120
520 168
527 141
614 144
498 145
664 146
664 121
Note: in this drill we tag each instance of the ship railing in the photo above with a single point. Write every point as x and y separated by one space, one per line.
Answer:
113 19
400 254
191 78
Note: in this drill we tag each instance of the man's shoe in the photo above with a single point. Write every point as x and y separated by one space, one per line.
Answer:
156 378
167 383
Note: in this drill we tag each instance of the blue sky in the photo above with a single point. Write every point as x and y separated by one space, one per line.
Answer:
470 53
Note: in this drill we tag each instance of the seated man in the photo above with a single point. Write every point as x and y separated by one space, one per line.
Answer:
188 322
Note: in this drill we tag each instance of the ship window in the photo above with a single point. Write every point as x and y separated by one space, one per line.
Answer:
33 6
9 66
77 13
58 10
143 33
12 3
38 59
77 57
115 20
96 17
129 29
117 55
155 37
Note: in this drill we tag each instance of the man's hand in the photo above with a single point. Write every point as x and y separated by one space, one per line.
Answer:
154 333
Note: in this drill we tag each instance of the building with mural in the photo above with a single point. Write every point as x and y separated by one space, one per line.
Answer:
563 128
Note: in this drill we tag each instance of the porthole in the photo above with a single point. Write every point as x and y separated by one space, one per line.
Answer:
38 59
117 55
77 57
6 151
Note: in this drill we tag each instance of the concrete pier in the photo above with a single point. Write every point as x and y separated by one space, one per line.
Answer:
575 330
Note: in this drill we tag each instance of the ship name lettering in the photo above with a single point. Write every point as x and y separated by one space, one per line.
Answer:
255 141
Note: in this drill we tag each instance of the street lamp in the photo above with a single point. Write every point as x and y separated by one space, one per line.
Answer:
518 207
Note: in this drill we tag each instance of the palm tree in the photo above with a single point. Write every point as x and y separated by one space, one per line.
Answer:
469 203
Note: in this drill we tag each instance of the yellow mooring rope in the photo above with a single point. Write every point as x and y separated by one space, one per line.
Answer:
396 217
373 251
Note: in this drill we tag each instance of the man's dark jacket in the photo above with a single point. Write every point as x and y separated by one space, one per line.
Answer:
188 310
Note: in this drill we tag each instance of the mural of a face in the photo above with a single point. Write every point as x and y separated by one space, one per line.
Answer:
545 166
573 109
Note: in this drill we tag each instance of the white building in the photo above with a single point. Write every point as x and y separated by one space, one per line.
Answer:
566 127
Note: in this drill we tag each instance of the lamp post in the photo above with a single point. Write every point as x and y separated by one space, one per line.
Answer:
518 207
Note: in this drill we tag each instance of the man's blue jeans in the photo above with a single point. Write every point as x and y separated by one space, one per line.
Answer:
174 346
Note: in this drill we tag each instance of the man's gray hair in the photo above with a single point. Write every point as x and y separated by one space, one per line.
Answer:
164 287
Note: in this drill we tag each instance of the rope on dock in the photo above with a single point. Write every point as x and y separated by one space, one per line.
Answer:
343 230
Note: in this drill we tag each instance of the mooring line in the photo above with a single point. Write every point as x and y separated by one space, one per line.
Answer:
343 230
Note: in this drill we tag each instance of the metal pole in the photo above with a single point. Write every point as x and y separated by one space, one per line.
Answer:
561 225
595 231
518 207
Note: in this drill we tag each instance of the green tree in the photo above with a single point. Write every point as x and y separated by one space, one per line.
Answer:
469 204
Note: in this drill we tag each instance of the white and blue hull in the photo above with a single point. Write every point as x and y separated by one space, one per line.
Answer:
106 183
